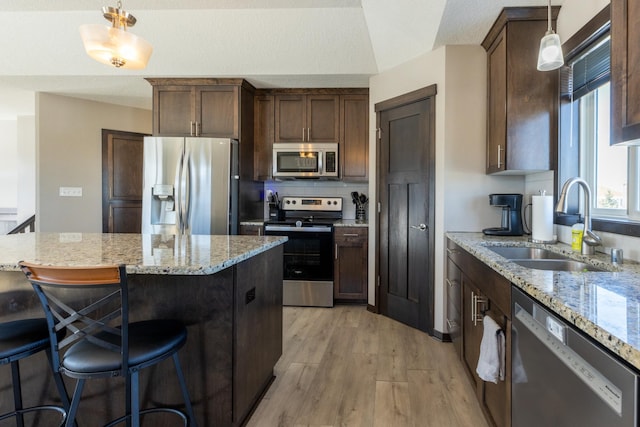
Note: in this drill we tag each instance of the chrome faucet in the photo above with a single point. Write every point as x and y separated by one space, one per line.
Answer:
589 239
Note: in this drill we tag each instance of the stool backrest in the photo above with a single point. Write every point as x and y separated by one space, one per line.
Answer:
91 303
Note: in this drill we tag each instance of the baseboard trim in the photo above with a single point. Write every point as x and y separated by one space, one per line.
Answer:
443 337
372 308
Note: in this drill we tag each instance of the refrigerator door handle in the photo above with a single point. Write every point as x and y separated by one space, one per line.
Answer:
181 189
187 191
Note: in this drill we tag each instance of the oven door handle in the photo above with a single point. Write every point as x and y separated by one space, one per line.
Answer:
316 229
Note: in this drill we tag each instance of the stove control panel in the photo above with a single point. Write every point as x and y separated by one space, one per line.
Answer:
290 203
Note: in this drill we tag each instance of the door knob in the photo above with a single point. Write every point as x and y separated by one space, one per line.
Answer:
420 227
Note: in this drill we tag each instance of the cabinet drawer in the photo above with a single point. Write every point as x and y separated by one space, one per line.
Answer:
350 235
490 284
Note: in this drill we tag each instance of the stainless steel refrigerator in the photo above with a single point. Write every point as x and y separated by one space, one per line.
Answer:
190 186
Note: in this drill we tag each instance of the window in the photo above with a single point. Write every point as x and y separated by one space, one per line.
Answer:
584 150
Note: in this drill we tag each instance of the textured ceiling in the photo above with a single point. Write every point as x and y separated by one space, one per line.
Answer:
272 43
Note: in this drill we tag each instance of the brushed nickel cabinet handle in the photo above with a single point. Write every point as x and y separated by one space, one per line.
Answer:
499 156
191 128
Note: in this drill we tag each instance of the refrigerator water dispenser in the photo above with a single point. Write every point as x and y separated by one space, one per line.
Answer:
163 208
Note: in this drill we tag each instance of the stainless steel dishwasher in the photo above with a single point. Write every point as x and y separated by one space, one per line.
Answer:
560 378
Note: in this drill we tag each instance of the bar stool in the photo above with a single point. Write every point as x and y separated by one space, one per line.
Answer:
20 339
101 342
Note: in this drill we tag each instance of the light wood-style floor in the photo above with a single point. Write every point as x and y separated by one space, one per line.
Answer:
345 366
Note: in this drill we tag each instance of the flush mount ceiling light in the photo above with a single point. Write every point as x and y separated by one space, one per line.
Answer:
550 54
113 45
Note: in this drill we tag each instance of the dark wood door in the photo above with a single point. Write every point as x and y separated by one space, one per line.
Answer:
122 154
406 193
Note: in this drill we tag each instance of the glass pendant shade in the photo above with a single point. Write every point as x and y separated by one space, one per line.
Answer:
550 54
115 46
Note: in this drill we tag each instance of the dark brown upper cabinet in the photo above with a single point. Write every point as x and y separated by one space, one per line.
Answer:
339 115
354 128
521 101
196 107
625 72
307 118
263 128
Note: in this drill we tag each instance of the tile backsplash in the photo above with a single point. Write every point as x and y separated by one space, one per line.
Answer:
319 189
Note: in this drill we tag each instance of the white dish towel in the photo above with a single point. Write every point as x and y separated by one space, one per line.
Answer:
491 362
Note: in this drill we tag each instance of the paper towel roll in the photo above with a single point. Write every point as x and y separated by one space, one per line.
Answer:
542 218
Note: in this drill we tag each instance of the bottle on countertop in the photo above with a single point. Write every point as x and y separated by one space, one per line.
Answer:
576 236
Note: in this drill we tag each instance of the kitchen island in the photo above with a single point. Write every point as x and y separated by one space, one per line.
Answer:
226 289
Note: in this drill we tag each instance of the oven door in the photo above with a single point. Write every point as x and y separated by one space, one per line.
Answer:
308 264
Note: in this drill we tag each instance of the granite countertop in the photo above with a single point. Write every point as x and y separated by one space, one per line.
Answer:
604 305
142 253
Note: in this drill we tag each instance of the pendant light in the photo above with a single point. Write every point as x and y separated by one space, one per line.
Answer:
550 54
113 45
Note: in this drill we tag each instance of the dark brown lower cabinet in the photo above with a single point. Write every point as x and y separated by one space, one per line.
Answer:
483 292
350 264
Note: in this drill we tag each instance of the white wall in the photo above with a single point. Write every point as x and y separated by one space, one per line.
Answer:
26 167
69 154
8 164
461 184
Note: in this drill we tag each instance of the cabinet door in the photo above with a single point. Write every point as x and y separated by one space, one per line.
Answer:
217 112
471 331
290 118
497 104
350 270
496 398
625 72
323 118
354 148
454 304
263 126
173 112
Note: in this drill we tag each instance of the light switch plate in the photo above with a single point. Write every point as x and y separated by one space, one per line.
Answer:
70 191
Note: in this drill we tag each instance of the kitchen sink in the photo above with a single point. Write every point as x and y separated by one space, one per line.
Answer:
514 252
541 259
556 265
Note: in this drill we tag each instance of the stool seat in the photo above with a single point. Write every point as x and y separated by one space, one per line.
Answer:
18 340
21 338
149 340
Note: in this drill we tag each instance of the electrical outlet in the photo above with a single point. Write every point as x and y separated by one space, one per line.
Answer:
70 191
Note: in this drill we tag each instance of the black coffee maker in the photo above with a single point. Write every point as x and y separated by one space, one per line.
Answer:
511 205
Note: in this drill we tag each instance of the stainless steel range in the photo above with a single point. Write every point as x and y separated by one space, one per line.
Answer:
308 255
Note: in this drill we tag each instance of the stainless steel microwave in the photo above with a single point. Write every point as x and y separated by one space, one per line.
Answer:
305 160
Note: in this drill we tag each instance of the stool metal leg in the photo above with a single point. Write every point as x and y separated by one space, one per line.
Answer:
17 393
135 399
75 402
62 390
185 392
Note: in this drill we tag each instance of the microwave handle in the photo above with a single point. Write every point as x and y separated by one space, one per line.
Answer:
321 155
